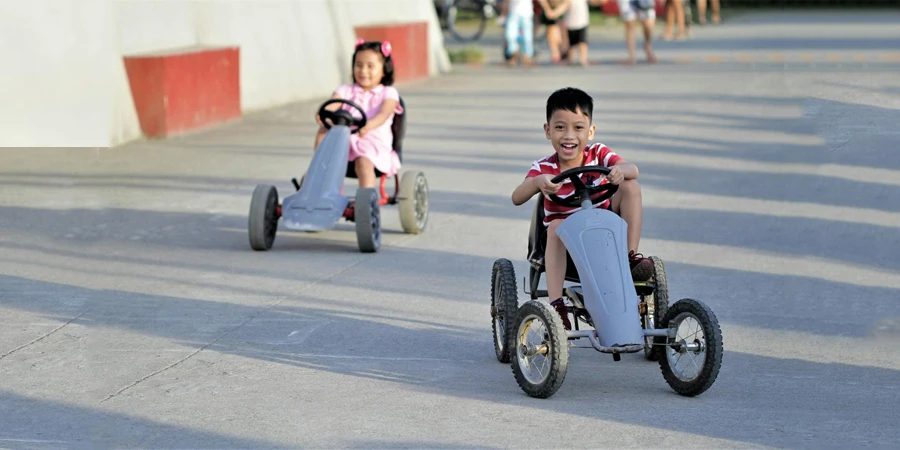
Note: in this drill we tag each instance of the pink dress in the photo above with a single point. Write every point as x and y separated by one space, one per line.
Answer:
377 146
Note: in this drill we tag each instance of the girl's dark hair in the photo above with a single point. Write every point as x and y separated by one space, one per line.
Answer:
375 46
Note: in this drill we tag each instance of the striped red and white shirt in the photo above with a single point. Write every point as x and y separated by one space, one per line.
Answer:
594 155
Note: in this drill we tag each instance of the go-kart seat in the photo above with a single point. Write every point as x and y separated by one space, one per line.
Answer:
398 130
539 237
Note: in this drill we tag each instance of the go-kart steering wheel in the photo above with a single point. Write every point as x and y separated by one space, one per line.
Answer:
605 190
342 116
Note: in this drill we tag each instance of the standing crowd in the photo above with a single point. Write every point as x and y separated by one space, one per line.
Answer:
567 23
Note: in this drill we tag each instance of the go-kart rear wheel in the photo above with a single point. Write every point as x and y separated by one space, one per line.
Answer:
367 215
693 357
504 304
263 220
541 349
657 305
413 202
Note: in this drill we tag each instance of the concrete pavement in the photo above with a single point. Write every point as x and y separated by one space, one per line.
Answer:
135 314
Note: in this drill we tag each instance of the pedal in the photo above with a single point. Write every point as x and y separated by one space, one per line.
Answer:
576 294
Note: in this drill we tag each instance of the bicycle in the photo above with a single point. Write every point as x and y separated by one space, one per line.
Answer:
478 11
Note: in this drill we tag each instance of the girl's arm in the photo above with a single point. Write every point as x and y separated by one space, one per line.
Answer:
388 107
331 107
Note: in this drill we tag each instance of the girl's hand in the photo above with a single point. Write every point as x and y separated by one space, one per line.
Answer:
363 131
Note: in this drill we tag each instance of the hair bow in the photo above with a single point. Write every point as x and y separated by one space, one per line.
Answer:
385 46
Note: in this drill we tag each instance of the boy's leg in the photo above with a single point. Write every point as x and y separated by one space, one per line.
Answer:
555 266
628 204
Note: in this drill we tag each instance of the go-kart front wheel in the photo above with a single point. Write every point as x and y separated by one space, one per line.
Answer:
367 215
540 349
693 357
263 220
413 202
657 305
504 304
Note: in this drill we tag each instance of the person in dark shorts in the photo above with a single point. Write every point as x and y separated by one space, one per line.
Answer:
578 20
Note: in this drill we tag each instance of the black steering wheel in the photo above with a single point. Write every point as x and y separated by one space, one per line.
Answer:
597 194
342 116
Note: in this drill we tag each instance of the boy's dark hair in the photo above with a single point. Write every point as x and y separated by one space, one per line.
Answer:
570 99
375 46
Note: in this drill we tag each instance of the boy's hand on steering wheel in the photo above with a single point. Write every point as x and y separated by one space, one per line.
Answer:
545 185
616 175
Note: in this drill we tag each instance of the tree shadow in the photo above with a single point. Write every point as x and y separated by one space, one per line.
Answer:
436 358
36 423
852 243
775 187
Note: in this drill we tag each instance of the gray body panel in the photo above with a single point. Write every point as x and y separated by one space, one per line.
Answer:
319 204
596 241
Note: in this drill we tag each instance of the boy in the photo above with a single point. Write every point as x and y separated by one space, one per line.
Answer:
569 130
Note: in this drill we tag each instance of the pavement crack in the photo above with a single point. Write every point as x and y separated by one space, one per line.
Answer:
35 341
223 335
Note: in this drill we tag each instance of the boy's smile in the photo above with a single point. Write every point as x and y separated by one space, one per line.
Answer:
569 132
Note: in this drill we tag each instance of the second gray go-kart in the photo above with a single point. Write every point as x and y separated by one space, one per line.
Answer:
623 316
319 201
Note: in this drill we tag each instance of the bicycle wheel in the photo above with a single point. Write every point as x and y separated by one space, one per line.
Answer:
466 19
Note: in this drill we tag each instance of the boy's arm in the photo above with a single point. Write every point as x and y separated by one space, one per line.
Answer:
622 170
525 191
629 169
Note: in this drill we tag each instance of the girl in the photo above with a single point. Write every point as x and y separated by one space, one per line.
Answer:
372 147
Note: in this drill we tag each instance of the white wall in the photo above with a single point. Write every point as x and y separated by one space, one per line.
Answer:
291 50
54 77
70 88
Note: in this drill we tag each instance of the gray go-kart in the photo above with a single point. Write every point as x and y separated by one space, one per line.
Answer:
623 316
319 201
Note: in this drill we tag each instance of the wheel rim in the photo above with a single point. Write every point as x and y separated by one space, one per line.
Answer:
533 338
421 197
649 322
687 362
499 322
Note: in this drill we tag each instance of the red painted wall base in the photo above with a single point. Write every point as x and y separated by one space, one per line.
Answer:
184 90
409 47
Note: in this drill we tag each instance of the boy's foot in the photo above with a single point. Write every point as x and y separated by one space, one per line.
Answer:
563 312
641 268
